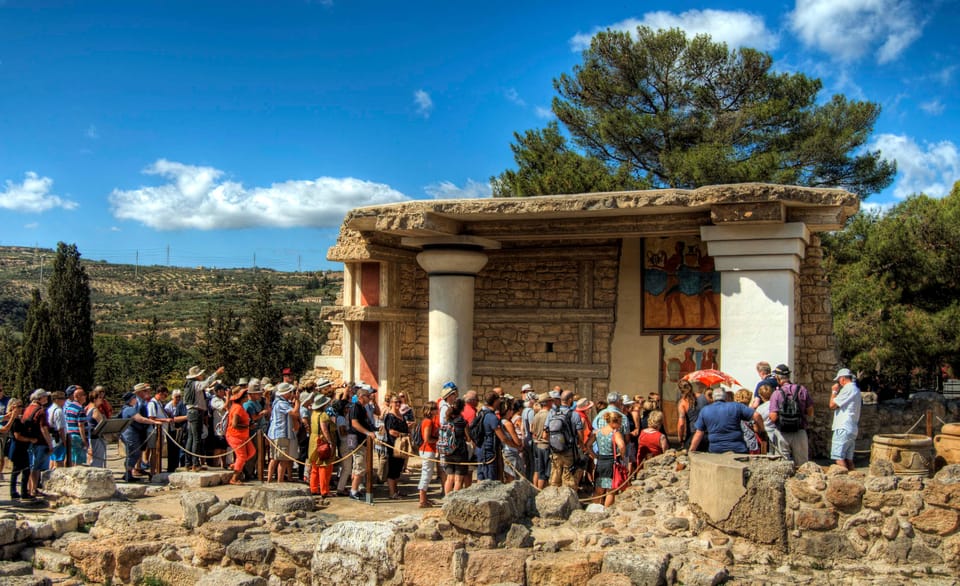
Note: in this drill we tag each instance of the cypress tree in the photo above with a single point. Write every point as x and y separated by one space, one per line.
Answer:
68 295
39 364
262 337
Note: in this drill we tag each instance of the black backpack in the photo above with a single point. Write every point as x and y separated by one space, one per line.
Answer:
789 418
475 431
416 437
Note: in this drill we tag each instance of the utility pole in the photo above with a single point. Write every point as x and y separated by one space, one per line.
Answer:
41 271
168 255
298 263
254 264
136 267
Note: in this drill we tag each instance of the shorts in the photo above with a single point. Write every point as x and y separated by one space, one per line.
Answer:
360 462
842 446
284 451
456 469
541 462
39 457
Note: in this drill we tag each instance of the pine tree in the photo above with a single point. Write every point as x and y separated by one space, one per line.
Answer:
68 296
39 363
261 343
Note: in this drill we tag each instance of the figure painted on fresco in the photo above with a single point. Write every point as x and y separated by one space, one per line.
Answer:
680 284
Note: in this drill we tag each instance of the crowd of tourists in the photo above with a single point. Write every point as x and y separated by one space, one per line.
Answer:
309 428
773 419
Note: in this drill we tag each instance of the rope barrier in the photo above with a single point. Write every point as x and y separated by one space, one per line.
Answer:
223 455
292 459
437 460
919 421
627 484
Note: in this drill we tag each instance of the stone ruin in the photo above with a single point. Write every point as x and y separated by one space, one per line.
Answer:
756 522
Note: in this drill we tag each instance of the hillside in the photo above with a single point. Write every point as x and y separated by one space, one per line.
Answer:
126 297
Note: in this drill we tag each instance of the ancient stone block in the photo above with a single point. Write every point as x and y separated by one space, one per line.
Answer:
230 577
428 563
495 566
355 552
698 570
278 498
880 483
256 550
641 567
825 545
944 495
563 569
557 502
195 506
816 519
488 507
518 536
878 500
951 551
844 492
81 483
936 520
610 579
801 490
165 572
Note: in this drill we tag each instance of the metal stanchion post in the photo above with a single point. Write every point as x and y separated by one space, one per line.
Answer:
369 458
260 454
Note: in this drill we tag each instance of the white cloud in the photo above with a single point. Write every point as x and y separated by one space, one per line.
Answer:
877 208
512 96
848 29
545 113
735 28
447 190
32 196
32 226
931 168
196 197
933 107
115 229
423 102
92 132
945 75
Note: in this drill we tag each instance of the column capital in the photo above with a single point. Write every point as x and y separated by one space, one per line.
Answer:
452 255
451 242
757 247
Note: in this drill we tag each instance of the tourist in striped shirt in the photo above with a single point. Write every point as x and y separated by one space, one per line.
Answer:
75 418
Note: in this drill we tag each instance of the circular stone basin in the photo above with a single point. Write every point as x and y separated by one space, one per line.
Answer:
947 445
910 454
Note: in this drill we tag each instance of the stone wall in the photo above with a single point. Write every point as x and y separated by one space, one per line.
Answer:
877 517
817 359
544 316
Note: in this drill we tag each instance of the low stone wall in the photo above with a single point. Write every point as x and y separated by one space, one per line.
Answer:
834 516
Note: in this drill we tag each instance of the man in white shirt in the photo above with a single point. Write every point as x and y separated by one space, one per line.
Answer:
845 403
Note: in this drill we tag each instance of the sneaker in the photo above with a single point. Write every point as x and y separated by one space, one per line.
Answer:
357 496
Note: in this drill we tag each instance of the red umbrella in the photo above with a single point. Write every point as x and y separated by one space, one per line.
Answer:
710 377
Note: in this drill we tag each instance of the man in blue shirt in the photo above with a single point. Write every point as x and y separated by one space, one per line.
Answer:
720 421
493 438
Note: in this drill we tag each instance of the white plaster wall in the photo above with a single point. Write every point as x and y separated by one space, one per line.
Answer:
757 321
634 358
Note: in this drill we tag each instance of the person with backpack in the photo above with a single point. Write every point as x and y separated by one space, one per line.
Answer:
488 437
791 407
563 433
452 445
720 421
424 440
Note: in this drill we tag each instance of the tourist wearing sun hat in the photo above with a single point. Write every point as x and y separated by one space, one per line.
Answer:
284 422
135 434
196 401
176 410
238 433
845 401
322 431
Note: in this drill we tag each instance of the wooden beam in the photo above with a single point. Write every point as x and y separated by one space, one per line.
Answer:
591 228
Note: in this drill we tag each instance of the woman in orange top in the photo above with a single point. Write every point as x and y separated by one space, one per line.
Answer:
238 432
428 451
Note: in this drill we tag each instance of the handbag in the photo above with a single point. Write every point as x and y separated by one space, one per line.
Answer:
324 449
620 475
403 446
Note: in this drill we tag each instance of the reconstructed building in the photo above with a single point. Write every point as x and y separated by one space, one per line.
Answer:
624 291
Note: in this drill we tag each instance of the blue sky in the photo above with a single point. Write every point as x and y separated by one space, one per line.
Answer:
228 130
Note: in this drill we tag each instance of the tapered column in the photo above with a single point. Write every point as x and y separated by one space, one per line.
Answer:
759 267
452 272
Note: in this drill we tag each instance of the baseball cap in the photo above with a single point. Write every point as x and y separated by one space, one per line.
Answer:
526 387
782 370
554 394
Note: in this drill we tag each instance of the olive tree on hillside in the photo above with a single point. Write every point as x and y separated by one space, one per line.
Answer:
666 110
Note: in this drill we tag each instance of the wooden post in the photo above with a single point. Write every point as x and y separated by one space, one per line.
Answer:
260 455
68 459
929 423
156 467
498 463
369 471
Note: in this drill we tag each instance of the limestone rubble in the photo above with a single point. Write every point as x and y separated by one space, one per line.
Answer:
840 528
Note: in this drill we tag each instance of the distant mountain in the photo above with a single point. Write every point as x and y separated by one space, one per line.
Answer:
126 297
